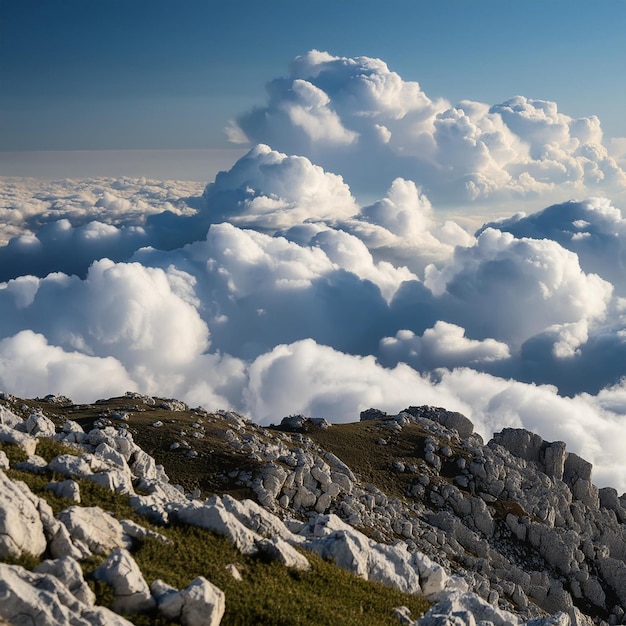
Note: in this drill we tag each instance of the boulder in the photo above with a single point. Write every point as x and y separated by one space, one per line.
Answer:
214 516
71 466
200 604
9 435
69 572
8 418
21 529
467 608
38 425
34 598
521 443
92 530
130 591
66 489
278 549
352 550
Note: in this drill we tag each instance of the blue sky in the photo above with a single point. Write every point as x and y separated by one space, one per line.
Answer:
163 74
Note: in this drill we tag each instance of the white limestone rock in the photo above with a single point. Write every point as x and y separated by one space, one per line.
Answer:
70 426
92 530
469 609
41 599
350 549
38 425
134 530
9 435
4 460
200 604
279 550
131 593
257 519
33 464
66 489
8 418
233 570
69 572
71 466
144 466
113 479
21 529
214 516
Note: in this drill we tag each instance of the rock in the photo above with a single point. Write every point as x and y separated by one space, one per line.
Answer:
71 466
9 435
200 604
113 479
134 530
214 516
372 414
66 489
350 549
449 419
38 425
8 418
173 405
521 443
614 573
131 593
279 550
466 608
70 426
33 598
92 530
234 572
554 459
69 572
33 464
256 518
21 529
4 460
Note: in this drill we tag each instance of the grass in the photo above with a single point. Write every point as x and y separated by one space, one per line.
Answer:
270 594
14 452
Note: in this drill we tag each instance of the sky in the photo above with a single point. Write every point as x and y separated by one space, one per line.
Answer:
417 203
162 75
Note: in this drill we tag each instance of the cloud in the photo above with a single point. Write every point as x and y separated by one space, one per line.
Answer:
275 291
268 190
511 289
307 378
443 345
30 367
402 229
356 117
258 291
136 314
594 229
63 226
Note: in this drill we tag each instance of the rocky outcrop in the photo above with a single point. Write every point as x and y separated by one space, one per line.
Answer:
200 604
21 529
511 532
43 599
131 593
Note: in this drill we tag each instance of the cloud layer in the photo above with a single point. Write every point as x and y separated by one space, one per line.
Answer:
276 291
334 109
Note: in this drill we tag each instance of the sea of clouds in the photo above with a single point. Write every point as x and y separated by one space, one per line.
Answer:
275 290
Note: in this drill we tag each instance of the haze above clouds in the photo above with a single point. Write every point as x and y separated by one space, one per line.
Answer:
279 290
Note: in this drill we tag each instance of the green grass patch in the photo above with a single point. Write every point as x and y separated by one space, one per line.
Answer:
50 448
15 453
270 593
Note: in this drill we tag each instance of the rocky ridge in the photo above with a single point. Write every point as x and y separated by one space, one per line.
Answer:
510 532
